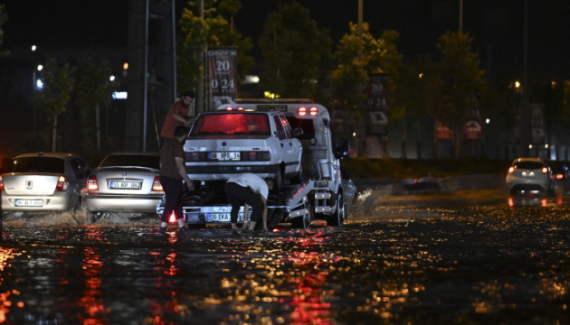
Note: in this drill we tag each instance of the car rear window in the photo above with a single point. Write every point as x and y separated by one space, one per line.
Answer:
148 161
231 124
528 165
38 165
305 124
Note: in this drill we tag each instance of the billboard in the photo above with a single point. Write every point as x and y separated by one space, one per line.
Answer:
377 104
222 75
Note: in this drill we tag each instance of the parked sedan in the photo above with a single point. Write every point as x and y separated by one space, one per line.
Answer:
125 182
43 182
530 176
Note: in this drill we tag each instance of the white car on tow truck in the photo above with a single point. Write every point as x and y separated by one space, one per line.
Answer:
320 193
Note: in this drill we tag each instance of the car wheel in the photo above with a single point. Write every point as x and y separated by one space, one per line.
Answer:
305 221
298 178
338 216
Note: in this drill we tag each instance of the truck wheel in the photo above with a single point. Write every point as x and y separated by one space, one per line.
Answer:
338 217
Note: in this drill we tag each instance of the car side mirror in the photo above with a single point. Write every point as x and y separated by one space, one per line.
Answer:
297 132
344 150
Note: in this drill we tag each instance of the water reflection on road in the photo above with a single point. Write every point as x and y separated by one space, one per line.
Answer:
405 260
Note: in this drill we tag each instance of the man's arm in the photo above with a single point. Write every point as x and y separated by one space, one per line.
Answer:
182 171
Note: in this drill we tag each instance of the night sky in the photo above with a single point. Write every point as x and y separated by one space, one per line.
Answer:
496 26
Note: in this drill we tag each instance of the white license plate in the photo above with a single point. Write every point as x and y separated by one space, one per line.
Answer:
232 155
29 203
126 185
219 217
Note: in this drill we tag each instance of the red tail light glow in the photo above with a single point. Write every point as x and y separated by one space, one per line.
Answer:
229 108
313 111
240 108
302 111
172 218
1 184
61 184
92 183
511 170
156 186
559 176
544 170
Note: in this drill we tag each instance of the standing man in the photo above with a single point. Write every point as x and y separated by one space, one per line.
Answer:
178 115
172 172
248 189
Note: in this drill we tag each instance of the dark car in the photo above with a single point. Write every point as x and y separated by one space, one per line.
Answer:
560 174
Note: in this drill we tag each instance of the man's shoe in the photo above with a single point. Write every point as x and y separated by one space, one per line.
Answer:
161 232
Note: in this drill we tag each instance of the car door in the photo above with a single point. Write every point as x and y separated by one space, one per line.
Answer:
291 147
80 172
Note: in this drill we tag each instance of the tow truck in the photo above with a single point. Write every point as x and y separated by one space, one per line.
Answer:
324 191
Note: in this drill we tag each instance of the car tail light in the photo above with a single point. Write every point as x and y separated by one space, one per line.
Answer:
256 156
511 170
92 183
61 184
156 186
240 108
229 108
196 156
559 176
313 111
302 111
1 184
544 170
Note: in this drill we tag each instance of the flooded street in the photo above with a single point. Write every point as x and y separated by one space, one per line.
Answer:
432 259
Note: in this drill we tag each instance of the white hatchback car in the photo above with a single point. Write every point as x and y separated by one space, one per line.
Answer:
224 143
530 176
43 182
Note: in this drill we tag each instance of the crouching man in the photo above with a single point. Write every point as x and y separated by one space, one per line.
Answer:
249 190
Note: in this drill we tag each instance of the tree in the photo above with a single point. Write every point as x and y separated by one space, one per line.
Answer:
56 93
297 53
3 19
410 98
213 30
93 91
352 72
458 83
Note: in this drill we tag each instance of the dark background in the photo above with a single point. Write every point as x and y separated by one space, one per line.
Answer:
496 26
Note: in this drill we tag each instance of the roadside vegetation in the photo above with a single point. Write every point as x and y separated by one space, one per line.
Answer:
411 168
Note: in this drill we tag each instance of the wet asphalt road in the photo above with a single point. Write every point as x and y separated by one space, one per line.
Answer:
468 258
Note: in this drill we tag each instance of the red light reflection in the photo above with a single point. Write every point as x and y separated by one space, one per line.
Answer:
92 301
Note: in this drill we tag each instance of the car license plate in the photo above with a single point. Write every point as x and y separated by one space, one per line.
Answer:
218 217
232 155
125 185
29 203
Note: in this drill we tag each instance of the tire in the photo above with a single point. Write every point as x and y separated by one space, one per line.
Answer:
305 221
338 217
298 178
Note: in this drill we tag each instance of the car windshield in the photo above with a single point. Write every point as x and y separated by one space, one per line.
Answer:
528 165
38 165
305 124
148 161
231 124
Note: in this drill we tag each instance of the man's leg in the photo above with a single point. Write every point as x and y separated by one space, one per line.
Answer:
172 190
232 193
